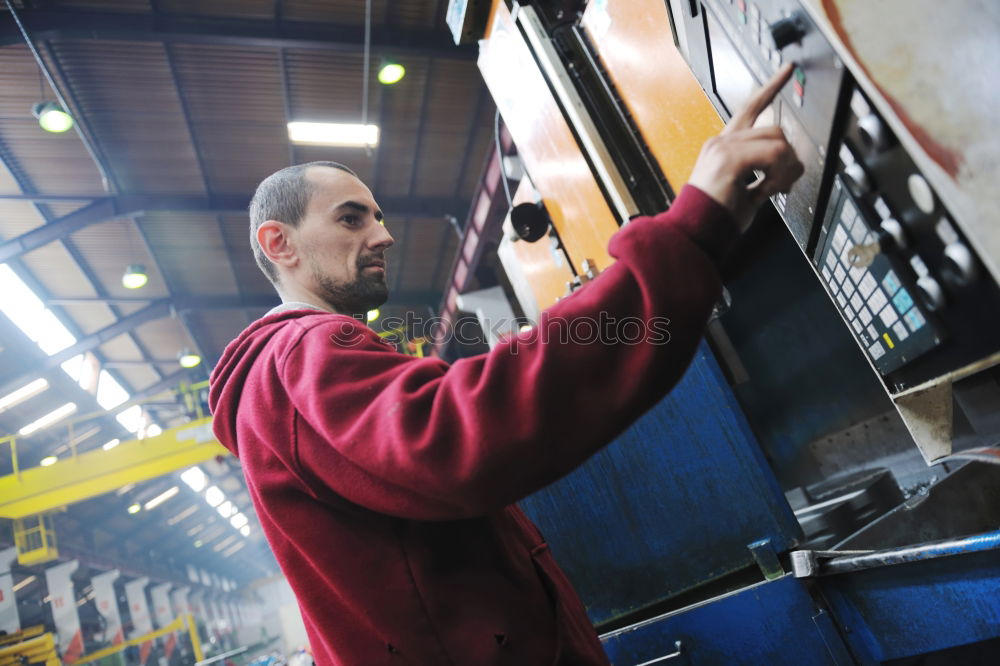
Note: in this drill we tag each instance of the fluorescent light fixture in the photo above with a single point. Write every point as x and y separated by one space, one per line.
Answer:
161 498
198 543
48 461
197 528
25 582
20 395
225 542
194 478
226 509
233 549
135 277
245 530
238 520
214 496
173 520
107 446
333 134
134 508
52 417
52 117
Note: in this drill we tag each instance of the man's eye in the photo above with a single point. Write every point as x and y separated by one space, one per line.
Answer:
351 219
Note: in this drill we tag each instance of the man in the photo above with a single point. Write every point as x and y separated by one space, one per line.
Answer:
385 484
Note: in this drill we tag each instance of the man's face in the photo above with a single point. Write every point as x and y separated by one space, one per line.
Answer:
341 242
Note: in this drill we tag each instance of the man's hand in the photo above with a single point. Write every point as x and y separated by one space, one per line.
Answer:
727 161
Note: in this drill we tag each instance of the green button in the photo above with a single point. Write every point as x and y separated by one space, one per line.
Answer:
800 76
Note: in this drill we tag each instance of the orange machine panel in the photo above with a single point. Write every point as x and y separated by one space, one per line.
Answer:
545 276
636 47
551 155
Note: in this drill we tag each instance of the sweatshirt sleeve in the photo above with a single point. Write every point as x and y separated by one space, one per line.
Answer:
422 439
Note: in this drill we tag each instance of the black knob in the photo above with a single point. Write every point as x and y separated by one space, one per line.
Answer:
787 31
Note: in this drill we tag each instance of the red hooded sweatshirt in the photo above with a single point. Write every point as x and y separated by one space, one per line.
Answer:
385 484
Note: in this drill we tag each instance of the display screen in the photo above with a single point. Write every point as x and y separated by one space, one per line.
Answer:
732 80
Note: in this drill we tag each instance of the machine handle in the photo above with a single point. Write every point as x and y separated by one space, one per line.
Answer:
659 660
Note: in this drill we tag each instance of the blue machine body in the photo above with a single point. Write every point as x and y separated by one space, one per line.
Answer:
775 623
673 503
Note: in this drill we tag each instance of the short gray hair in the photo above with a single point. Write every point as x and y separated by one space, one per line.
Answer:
282 196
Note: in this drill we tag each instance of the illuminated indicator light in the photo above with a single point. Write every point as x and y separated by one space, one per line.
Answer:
188 359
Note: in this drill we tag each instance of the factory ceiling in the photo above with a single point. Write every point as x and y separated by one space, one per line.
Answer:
181 107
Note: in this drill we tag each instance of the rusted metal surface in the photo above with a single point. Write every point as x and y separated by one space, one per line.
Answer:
930 67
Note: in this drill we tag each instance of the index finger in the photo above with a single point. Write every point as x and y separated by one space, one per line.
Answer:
760 100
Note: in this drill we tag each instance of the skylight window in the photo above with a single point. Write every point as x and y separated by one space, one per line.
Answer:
54 416
131 418
110 393
333 134
28 313
195 478
20 395
214 496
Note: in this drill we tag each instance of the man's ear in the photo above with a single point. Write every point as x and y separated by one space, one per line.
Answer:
275 240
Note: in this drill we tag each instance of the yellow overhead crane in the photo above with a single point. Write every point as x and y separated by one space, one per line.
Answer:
27 495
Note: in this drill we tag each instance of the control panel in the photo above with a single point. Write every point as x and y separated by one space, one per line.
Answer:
899 269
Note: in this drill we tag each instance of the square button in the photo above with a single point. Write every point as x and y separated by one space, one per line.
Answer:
850 290
857 301
839 238
845 255
877 300
890 283
831 259
848 214
872 333
914 319
841 300
827 275
900 331
865 315
839 273
857 326
888 316
876 350
857 273
849 311
902 300
867 285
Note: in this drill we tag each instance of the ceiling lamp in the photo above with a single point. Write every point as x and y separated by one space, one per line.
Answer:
373 315
52 117
134 508
333 134
188 359
391 72
135 277
48 461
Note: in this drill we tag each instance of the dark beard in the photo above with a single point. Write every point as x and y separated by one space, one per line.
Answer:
354 298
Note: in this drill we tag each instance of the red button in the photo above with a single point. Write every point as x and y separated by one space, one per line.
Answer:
798 89
742 5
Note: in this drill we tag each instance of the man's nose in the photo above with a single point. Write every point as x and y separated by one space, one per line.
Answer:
381 239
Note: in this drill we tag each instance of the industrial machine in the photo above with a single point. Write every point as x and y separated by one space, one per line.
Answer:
766 510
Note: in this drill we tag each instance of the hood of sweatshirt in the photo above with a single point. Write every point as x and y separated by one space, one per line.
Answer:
230 373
